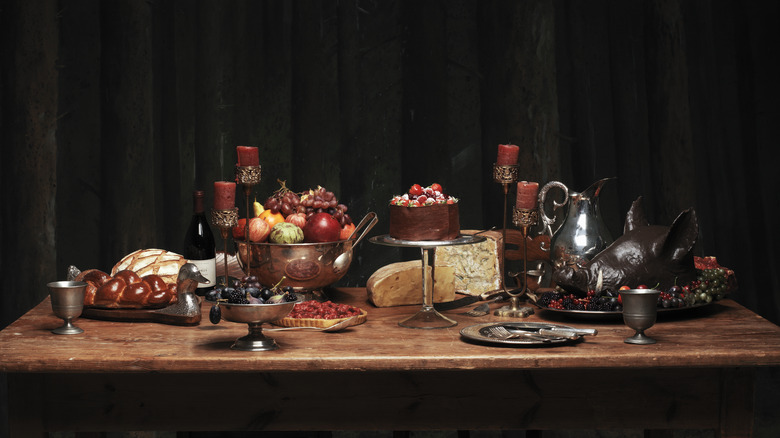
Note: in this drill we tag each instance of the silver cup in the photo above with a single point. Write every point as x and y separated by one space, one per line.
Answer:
640 308
67 302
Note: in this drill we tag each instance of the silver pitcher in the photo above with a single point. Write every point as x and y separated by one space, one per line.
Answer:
582 233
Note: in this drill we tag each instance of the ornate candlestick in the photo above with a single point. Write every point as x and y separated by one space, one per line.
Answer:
524 218
505 174
225 220
248 176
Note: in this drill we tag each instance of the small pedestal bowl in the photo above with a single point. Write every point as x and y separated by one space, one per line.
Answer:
255 315
640 309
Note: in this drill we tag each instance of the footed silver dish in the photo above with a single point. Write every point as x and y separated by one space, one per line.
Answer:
255 315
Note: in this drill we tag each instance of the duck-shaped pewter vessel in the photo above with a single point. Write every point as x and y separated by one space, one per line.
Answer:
186 309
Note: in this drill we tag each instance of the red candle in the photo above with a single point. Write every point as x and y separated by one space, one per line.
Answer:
247 156
507 154
527 193
224 195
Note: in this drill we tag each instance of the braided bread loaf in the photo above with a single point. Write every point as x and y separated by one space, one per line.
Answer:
126 290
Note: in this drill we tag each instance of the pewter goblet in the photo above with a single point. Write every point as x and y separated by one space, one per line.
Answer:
640 308
67 302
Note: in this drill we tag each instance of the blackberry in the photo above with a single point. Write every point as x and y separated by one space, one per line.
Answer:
595 305
237 296
547 297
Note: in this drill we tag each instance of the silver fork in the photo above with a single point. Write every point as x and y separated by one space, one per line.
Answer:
501 332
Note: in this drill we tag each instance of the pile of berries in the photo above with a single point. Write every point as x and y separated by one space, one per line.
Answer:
419 196
594 301
674 297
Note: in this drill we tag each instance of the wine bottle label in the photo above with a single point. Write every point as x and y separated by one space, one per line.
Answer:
208 268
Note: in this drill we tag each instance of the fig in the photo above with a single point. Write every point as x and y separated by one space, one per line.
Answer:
285 232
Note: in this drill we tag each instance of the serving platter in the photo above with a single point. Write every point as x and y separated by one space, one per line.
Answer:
481 333
140 315
616 314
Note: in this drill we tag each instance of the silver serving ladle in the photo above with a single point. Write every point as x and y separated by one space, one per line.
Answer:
344 259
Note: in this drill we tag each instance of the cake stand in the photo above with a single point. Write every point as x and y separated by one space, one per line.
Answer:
427 317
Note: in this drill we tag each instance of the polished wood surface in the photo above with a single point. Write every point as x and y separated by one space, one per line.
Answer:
723 334
148 376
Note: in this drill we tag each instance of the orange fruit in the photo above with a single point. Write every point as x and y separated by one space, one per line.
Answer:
271 218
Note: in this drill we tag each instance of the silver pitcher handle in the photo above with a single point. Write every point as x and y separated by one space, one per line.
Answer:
547 220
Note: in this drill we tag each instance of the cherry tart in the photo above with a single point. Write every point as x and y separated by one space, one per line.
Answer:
321 314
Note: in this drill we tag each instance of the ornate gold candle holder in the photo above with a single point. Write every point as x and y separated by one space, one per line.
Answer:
525 218
225 220
505 174
248 176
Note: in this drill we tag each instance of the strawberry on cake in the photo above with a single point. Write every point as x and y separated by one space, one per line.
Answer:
424 213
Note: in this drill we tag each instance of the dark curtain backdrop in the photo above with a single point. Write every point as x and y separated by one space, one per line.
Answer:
114 111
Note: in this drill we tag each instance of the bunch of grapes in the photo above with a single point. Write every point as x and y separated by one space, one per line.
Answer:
321 200
287 204
711 285
284 201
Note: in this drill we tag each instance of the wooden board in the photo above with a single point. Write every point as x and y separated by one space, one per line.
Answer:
140 315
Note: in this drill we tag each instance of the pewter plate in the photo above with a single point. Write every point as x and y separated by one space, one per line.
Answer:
481 333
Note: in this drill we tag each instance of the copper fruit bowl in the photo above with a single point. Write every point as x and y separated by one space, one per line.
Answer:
304 266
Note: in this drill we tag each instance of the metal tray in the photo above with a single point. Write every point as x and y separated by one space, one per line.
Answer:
617 314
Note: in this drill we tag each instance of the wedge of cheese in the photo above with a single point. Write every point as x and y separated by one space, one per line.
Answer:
399 284
478 267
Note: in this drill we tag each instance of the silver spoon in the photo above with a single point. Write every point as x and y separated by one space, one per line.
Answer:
333 328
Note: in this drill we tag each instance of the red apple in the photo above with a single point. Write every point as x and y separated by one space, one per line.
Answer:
298 219
321 227
258 230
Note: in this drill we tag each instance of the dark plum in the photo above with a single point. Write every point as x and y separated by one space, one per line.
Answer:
266 293
215 314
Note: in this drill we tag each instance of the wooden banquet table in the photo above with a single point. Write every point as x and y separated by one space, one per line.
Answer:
379 376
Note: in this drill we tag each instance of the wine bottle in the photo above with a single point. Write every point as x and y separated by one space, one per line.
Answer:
199 246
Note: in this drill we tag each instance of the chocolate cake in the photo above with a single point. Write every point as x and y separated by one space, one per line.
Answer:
424 214
432 222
